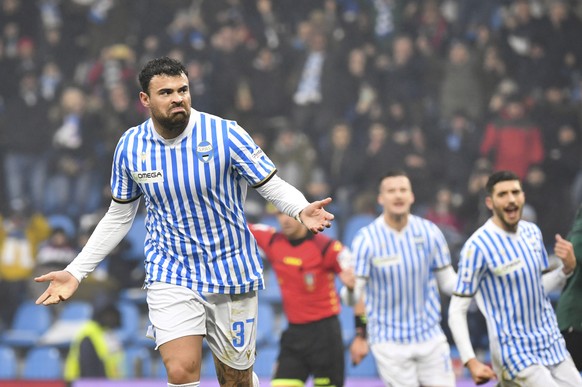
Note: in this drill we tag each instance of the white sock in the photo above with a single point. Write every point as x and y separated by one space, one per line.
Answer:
255 380
193 384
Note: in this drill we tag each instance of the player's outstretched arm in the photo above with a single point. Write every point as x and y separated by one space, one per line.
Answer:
62 285
315 217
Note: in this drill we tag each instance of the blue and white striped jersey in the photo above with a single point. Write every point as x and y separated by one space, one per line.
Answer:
194 188
402 298
504 272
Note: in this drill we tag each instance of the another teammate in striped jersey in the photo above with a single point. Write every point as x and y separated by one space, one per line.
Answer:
505 266
402 261
203 267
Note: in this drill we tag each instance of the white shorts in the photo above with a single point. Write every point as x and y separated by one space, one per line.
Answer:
563 374
418 364
229 321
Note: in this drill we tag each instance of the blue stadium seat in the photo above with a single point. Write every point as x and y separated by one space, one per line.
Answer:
272 292
138 363
76 310
353 225
160 369
43 363
29 324
8 363
366 368
333 231
208 369
265 361
266 324
130 322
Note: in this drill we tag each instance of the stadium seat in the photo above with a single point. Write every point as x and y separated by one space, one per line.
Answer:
353 225
43 363
8 363
76 310
64 222
366 368
332 232
266 324
138 363
30 323
272 292
130 322
160 369
208 369
265 361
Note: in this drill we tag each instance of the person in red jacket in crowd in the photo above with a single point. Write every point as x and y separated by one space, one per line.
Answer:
513 141
306 266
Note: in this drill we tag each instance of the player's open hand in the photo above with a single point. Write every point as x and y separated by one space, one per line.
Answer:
565 252
480 372
315 217
62 286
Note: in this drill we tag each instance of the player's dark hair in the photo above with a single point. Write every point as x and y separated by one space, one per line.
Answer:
159 66
392 173
498 177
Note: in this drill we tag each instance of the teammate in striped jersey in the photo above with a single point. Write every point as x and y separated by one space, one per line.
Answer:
203 267
505 266
400 260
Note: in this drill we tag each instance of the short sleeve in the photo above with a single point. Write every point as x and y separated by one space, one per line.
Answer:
123 187
441 255
362 254
470 271
248 158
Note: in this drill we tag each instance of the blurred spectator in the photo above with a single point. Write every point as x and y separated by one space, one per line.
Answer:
53 254
460 87
73 186
21 233
314 80
512 140
294 156
443 212
378 150
341 161
473 211
96 351
115 64
267 70
559 31
26 156
520 26
458 145
401 75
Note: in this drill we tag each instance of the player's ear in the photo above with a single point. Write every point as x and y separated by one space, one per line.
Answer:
489 202
144 99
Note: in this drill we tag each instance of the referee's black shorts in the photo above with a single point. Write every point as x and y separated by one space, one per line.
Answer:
312 349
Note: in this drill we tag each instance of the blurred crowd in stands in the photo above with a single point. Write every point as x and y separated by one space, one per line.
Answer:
336 92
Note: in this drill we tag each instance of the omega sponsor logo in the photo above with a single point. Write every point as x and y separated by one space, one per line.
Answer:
148 176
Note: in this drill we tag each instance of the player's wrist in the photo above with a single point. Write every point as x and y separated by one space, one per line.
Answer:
361 323
298 217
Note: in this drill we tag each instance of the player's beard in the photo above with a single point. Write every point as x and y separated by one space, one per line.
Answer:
175 122
501 215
